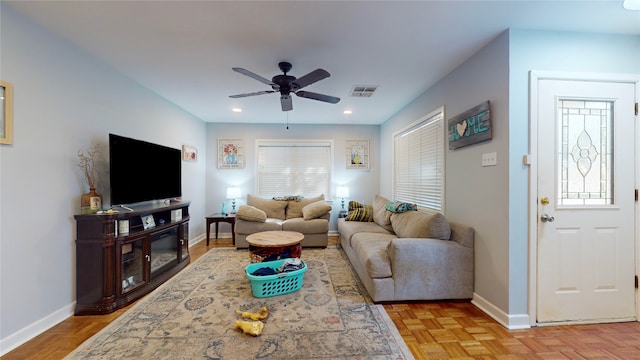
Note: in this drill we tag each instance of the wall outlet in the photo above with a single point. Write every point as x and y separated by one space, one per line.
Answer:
490 159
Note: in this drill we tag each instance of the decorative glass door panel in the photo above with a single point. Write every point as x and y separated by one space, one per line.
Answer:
133 264
585 153
184 241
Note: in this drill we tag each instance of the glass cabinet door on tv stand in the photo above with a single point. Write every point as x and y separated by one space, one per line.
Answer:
133 261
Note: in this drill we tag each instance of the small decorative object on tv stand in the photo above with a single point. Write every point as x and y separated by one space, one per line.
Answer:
91 202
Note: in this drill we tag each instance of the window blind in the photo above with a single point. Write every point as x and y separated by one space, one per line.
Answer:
293 169
419 163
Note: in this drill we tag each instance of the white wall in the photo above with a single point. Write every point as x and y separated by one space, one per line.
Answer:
363 184
494 200
475 195
65 101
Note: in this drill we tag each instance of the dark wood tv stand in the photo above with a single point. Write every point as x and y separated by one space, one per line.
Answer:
115 268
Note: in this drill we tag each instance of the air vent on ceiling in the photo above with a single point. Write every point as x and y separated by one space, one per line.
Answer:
363 90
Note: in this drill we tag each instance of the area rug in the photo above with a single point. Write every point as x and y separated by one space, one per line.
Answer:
192 316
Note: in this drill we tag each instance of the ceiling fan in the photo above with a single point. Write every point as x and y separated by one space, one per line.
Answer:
287 84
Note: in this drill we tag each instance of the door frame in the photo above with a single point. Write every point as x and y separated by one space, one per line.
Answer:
531 159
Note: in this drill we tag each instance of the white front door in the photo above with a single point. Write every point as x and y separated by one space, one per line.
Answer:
586 177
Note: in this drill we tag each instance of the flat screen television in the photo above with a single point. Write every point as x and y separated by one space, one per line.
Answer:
141 171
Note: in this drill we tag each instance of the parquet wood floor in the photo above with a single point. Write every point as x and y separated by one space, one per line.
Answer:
432 330
459 330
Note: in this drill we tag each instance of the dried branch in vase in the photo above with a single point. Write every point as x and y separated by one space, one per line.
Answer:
87 164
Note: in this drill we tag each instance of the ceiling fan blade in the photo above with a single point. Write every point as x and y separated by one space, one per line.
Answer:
310 78
285 102
251 94
254 75
316 96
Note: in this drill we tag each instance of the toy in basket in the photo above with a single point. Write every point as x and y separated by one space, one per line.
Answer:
277 284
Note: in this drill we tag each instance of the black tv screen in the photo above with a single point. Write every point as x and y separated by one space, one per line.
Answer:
142 171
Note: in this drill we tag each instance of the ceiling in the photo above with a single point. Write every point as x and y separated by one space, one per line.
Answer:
185 50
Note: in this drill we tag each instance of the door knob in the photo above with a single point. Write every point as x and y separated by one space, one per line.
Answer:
547 218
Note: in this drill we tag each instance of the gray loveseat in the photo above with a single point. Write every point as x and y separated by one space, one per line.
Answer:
309 216
410 256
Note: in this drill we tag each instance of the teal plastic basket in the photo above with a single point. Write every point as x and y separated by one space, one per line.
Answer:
272 285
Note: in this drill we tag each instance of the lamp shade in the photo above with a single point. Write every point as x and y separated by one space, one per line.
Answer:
342 192
233 193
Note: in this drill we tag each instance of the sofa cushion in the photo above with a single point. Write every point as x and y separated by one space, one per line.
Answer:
250 227
419 224
372 251
250 213
348 228
313 226
294 208
273 208
381 216
359 212
315 210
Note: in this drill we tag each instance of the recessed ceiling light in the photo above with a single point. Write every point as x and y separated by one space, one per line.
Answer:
348 112
237 110
631 4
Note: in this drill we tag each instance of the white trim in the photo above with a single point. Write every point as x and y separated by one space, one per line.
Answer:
36 328
534 78
511 322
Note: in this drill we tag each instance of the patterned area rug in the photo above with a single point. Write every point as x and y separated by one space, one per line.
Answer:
192 316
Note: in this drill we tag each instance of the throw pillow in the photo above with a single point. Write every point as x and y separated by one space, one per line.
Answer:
294 208
250 213
418 224
288 198
400 207
274 209
315 210
359 212
381 216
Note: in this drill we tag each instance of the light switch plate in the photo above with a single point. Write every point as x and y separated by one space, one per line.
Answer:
490 159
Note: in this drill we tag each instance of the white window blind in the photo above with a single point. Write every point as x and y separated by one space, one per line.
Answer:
291 168
419 163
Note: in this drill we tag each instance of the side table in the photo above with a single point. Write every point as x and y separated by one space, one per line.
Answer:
216 219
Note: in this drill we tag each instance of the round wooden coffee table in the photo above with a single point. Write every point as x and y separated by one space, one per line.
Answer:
274 245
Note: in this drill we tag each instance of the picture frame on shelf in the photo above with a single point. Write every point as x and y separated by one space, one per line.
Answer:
6 113
357 154
231 154
148 222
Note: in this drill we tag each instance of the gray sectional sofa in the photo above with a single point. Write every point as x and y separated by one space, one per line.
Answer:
410 256
309 216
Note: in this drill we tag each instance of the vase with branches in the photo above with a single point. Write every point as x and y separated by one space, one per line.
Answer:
90 202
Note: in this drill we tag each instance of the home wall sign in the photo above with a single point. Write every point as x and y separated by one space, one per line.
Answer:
470 127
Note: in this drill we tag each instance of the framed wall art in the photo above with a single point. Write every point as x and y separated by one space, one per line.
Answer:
231 154
6 113
357 154
189 153
470 127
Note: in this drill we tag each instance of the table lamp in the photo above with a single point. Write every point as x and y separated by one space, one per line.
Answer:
233 193
342 192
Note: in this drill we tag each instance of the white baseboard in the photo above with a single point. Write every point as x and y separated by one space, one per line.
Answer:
511 322
198 239
29 332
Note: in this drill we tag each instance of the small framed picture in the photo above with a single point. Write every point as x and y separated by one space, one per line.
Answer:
6 112
148 222
230 154
189 153
357 154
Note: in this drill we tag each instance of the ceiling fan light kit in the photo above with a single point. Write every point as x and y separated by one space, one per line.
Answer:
287 84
